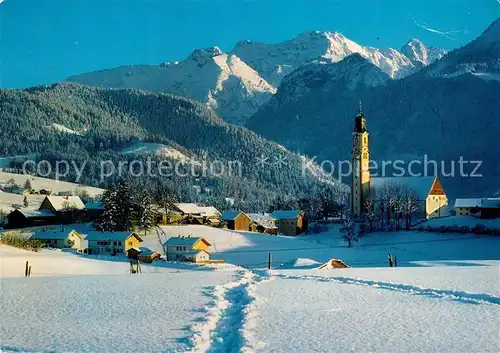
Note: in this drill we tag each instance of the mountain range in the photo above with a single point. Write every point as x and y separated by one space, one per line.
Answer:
447 111
301 94
237 83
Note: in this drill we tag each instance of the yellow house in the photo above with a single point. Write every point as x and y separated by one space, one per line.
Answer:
110 242
59 238
178 248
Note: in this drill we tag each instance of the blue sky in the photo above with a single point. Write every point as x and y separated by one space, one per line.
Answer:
45 41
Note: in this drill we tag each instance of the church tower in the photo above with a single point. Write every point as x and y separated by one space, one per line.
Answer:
360 158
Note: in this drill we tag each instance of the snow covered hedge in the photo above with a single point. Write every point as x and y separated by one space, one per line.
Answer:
22 243
477 229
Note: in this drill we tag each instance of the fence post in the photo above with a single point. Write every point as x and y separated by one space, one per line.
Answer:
269 261
26 269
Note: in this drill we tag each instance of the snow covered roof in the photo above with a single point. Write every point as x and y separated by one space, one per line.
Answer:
261 216
264 219
35 213
188 208
420 186
54 234
286 214
209 211
230 215
468 202
185 241
111 236
143 250
490 203
478 202
59 202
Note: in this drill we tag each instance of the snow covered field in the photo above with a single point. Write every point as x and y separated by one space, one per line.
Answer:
109 313
44 183
445 298
411 248
342 311
469 221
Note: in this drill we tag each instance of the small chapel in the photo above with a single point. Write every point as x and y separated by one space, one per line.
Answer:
430 196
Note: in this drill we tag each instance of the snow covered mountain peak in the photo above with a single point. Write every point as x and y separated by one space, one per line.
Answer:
421 55
492 34
352 72
206 53
274 61
238 82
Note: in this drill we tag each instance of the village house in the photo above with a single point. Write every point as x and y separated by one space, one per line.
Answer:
431 200
22 218
58 204
143 254
111 243
59 238
197 256
185 210
236 220
209 212
490 208
189 213
467 206
263 223
290 222
68 209
193 249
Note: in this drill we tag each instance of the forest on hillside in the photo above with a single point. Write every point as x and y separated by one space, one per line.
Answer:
102 122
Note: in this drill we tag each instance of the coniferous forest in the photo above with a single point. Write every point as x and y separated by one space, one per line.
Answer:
106 121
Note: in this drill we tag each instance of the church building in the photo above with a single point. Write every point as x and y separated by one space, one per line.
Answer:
428 193
360 158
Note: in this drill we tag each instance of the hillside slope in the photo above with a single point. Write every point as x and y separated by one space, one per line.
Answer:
443 118
109 121
481 57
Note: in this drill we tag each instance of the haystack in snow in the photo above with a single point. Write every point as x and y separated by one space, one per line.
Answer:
333 263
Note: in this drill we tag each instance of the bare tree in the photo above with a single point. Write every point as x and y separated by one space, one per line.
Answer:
397 202
409 205
389 194
369 212
348 230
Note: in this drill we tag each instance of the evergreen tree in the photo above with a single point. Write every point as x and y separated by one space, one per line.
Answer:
109 218
125 206
147 213
166 198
